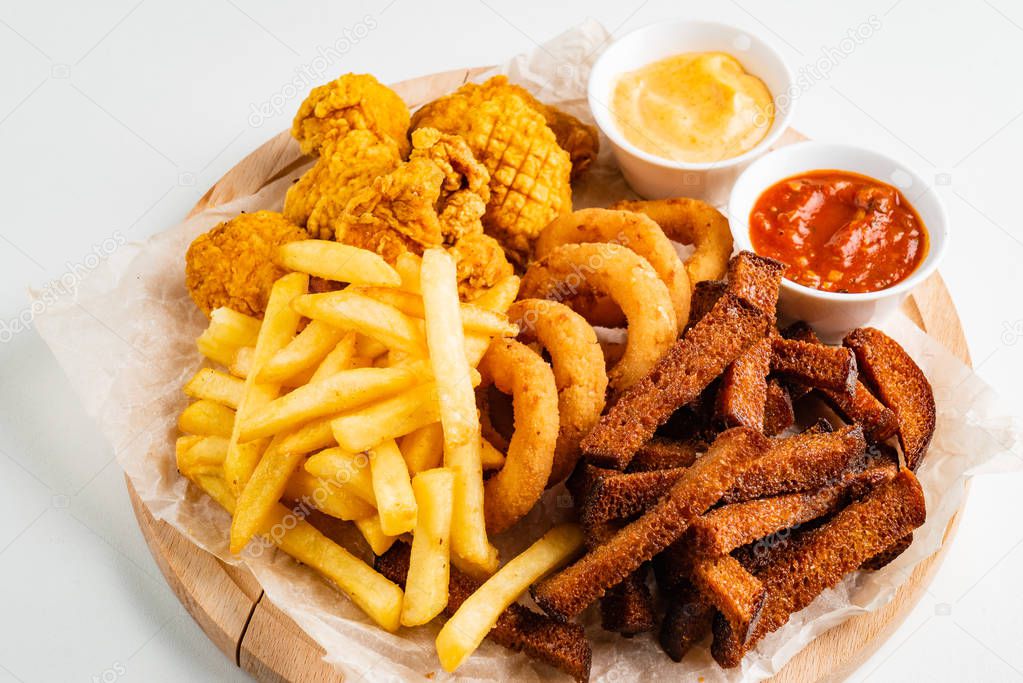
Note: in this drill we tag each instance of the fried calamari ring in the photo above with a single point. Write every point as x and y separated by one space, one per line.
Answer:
579 372
631 283
691 221
628 229
515 369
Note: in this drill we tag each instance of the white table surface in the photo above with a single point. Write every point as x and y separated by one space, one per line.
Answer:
116 116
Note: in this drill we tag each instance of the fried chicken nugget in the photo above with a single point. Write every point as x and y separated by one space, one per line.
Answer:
449 114
351 102
347 165
232 264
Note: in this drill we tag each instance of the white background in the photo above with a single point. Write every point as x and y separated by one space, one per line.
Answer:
116 116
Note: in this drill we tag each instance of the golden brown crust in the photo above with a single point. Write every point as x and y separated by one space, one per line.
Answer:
815 365
757 279
627 229
579 373
629 280
818 559
618 496
705 294
661 454
628 608
778 412
686 621
515 369
563 646
742 392
567 593
888 555
233 264
695 222
724 583
803 462
686 369
902 386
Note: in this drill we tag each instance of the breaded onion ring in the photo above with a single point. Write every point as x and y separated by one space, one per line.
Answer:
579 372
631 283
628 229
691 221
515 369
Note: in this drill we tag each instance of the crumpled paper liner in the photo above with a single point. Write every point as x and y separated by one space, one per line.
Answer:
126 339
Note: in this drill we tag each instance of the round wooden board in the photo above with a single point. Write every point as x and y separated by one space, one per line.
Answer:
227 602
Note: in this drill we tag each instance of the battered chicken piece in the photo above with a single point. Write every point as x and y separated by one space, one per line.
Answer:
347 164
232 264
435 199
451 115
352 102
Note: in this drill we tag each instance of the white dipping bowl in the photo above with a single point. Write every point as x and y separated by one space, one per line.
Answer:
834 314
655 177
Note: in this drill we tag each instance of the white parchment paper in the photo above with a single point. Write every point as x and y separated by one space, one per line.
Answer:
126 339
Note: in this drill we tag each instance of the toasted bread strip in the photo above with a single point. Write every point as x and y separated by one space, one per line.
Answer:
705 294
628 608
663 454
818 559
685 370
902 386
888 555
757 279
742 393
861 407
621 496
803 462
687 620
582 480
563 646
815 365
567 593
778 412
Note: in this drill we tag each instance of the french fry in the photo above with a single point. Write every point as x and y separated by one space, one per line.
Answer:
342 391
207 454
216 386
396 503
367 347
279 325
426 589
490 457
341 357
458 414
233 328
181 446
347 469
352 311
497 299
207 418
378 541
423 449
475 319
217 351
303 352
309 437
326 496
407 265
394 417
379 598
467 627
241 364
336 261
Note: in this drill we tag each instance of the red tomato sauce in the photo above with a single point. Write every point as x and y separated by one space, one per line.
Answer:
839 231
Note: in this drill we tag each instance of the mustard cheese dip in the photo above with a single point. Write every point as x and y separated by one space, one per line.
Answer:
693 107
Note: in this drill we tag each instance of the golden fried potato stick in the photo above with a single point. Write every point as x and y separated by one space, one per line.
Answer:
423 449
218 387
468 626
348 469
373 532
345 390
306 351
207 418
351 311
392 487
475 319
280 322
426 588
339 262
394 417
457 410
326 496
379 598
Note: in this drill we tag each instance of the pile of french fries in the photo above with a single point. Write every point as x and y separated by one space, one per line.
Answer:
366 414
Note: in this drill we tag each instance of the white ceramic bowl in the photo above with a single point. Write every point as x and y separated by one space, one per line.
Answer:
655 177
833 314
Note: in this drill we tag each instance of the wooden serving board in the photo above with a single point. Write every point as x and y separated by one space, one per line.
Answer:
229 605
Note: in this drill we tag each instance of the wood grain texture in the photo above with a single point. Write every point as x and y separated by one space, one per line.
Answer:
228 604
